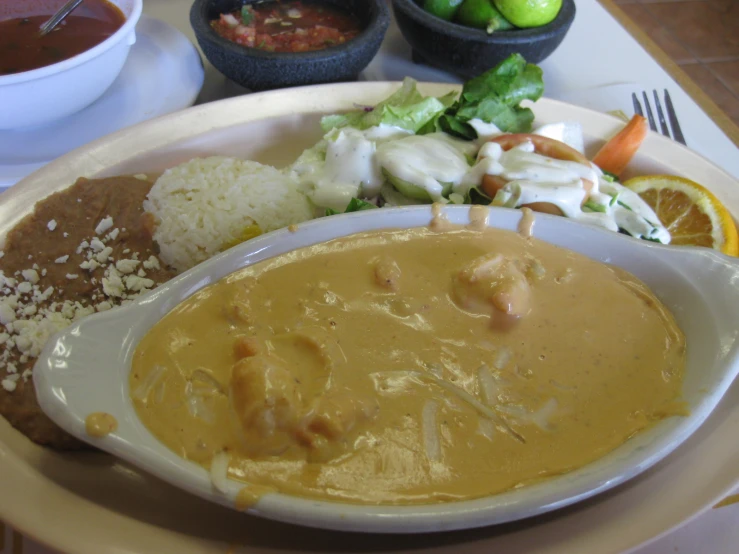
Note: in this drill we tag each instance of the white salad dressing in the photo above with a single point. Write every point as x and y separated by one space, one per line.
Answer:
352 163
350 167
430 162
536 178
569 132
485 131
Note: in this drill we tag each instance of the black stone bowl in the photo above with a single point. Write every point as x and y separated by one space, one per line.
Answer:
468 52
260 70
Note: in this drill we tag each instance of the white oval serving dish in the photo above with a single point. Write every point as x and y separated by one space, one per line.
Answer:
69 385
49 93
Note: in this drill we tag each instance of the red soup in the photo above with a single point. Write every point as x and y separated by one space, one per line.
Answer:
294 26
21 49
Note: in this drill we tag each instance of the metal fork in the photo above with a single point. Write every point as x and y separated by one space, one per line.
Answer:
677 133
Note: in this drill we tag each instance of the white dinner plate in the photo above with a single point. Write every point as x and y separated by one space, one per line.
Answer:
163 74
94 503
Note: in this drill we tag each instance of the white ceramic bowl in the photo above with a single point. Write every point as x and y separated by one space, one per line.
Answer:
70 386
43 95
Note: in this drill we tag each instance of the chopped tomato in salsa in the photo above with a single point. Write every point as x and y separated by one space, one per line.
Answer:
293 26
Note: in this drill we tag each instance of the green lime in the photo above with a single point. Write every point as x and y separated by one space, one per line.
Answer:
529 13
445 9
482 14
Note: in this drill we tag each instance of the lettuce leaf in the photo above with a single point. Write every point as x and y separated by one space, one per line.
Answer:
494 97
476 196
355 205
406 108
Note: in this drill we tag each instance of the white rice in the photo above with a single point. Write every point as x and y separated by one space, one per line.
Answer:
206 204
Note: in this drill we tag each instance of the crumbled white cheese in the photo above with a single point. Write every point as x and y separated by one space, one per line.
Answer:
104 254
152 263
6 281
29 322
65 235
97 245
112 283
104 225
126 266
43 296
30 275
91 265
51 225
138 284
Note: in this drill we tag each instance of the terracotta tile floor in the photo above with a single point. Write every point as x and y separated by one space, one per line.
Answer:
702 37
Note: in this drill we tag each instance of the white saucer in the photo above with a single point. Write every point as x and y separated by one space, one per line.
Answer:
163 74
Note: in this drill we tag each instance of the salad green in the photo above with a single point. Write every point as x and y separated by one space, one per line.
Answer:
407 109
472 147
495 97
355 205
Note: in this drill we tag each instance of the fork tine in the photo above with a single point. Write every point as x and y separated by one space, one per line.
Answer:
650 116
677 133
661 116
637 105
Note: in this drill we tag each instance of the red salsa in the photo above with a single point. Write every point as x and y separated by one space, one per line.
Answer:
294 26
22 50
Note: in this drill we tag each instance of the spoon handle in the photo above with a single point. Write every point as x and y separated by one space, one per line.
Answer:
63 12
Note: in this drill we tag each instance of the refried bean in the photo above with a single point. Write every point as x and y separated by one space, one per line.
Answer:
57 227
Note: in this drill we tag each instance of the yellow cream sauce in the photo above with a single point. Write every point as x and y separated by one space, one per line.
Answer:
410 366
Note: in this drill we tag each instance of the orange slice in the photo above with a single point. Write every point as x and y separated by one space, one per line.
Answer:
692 215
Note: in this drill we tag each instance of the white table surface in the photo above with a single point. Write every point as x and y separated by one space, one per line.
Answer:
598 65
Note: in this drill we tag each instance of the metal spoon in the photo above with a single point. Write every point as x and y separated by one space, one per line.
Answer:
57 18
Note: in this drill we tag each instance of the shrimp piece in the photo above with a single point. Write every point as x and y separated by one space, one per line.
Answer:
387 274
493 283
334 416
266 402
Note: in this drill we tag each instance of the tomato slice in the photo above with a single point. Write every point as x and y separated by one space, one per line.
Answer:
545 146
